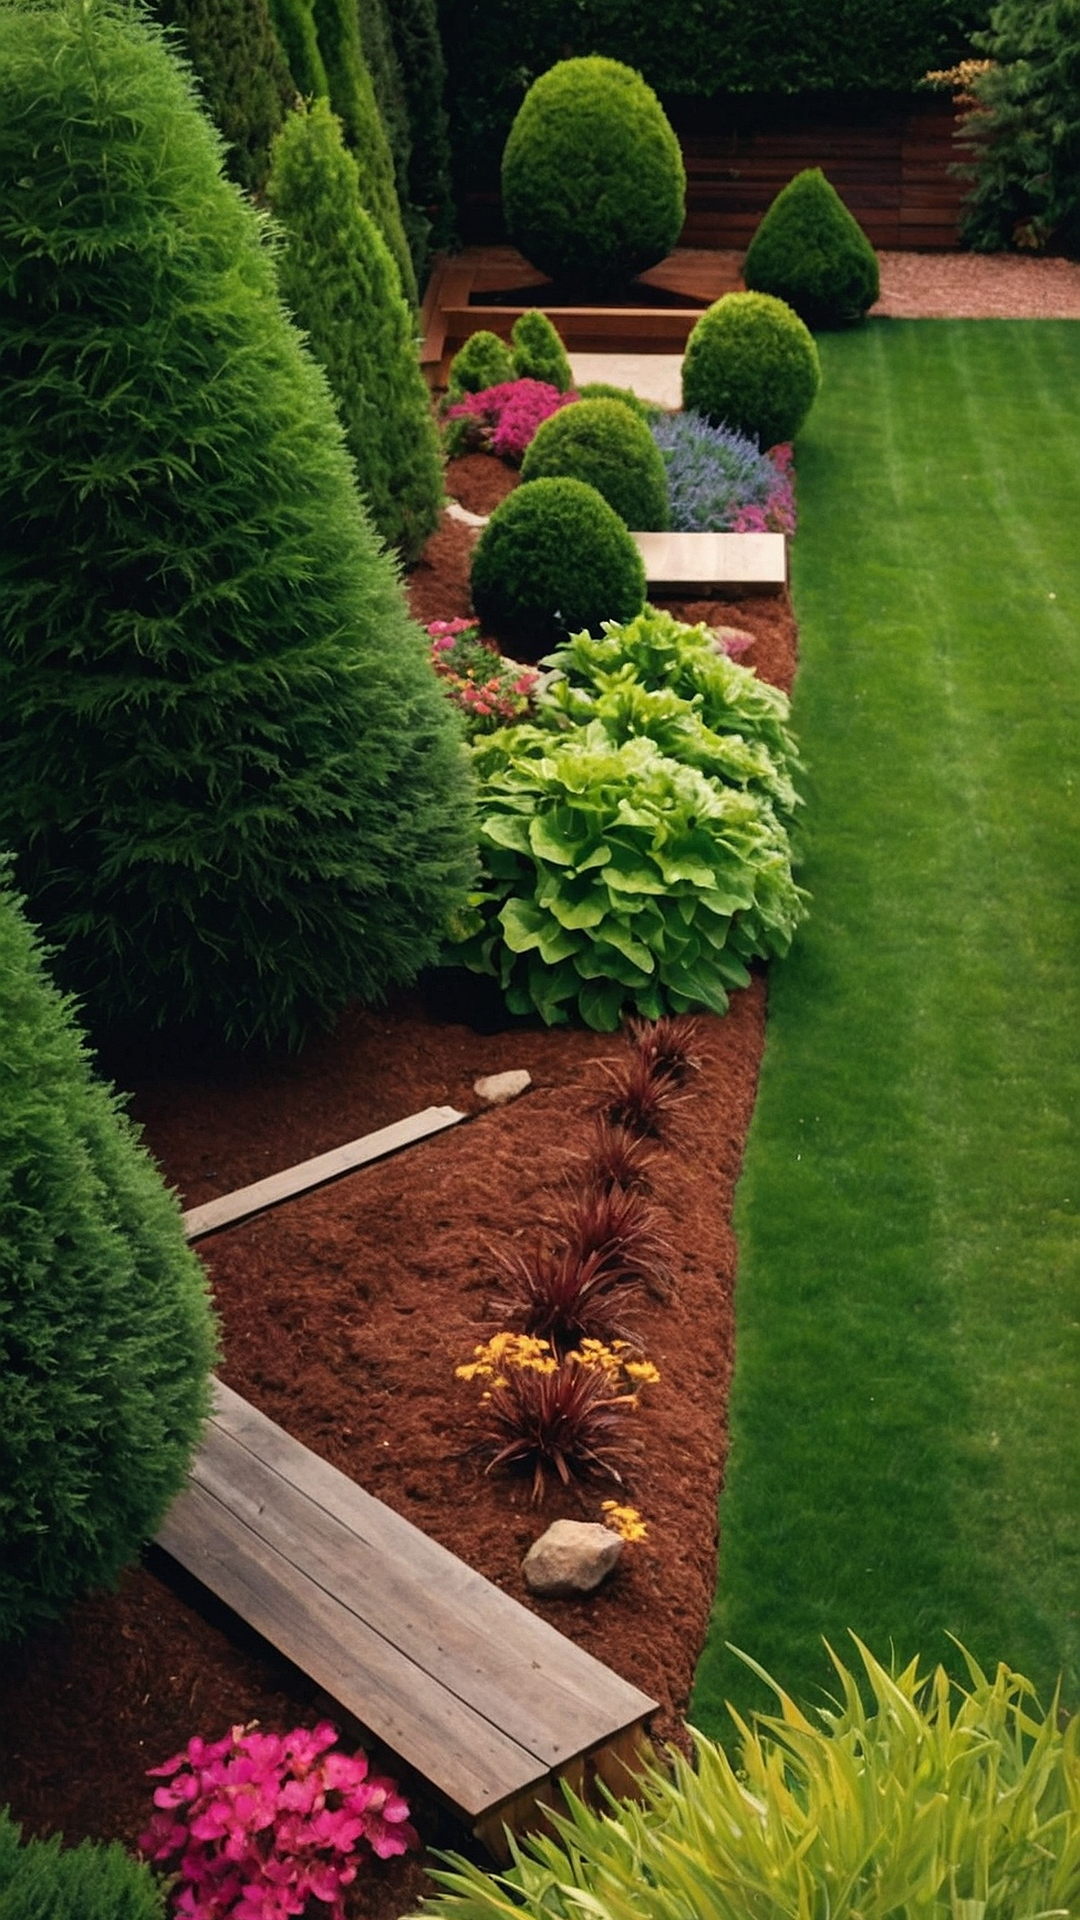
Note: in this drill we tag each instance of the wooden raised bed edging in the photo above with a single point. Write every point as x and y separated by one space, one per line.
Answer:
466 1685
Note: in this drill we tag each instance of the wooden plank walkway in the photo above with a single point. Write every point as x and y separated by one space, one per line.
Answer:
231 1208
467 1686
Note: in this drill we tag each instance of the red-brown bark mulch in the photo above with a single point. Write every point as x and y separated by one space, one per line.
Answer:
343 1315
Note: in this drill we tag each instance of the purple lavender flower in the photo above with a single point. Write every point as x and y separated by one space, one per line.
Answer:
719 481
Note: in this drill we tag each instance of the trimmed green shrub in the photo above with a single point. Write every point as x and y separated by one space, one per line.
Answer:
930 1802
607 444
236 793
593 183
414 25
1023 133
554 556
810 251
43 1880
337 276
484 361
603 390
538 352
106 1335
751 363
634 839
243 73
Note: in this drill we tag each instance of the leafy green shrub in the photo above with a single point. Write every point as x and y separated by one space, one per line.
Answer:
605 443
1023 130
603 390
337 276
243 73
554 556
538 352
484 361
925 1805
810 251
414 25
42 1880
106 1337
751 364
593 184
634 840
235 791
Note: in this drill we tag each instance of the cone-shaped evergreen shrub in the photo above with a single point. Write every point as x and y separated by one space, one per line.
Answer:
538 352
593 184
380 55
414 25
484 361
751 363
810 251
243 74
294 21
337 276
235 790
554 557
610 446
106 1337
44 1881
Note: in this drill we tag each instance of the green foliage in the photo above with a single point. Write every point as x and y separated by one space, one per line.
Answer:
106 1337
337 276
603 390
635 840
42 1880
538 352
593 184
484 361
554 556
236 793
610 446
1024 131
294 21
414 25
243 74
810 251
380 55
751 363
925 1806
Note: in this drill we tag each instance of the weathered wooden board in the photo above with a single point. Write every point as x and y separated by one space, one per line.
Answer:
245 1201
464 1683
722 562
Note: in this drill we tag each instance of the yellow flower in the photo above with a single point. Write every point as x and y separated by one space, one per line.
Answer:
625 1521
643 1371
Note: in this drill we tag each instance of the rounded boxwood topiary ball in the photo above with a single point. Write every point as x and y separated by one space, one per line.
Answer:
606 443
752 364
554 557
593 184
810 251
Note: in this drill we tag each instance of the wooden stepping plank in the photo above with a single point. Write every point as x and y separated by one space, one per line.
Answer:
245 1201
728 563
464 1683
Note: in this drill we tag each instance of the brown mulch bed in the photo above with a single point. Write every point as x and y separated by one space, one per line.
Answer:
343 1315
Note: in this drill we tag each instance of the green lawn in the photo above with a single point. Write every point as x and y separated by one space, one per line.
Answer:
906 1409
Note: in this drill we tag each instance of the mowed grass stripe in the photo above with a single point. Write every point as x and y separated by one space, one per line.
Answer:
905 1455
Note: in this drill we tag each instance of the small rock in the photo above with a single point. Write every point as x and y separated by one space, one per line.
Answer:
457 512
498 1088
573 1556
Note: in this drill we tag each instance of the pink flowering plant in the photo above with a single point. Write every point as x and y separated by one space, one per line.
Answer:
502 419
269 1825
489 690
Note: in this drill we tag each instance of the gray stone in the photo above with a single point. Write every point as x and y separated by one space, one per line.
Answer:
498 1088
573 1556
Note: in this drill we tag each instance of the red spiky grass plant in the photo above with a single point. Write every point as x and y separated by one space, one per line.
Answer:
617 1160
585 1286
644 1090
544 1414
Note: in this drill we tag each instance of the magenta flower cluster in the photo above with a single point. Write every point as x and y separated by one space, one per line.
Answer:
777 513
503 419
264 1823
490 690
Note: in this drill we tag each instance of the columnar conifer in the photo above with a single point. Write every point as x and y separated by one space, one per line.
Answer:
243 74
235 790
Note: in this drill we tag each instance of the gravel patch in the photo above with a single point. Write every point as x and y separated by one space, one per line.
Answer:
977 286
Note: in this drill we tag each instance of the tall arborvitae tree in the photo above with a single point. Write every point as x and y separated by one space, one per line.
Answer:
352 96
106 1334
414 25
380 54
237 794
243 74
337 276
295 23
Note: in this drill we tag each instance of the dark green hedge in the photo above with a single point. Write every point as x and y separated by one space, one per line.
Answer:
243 75
495 49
